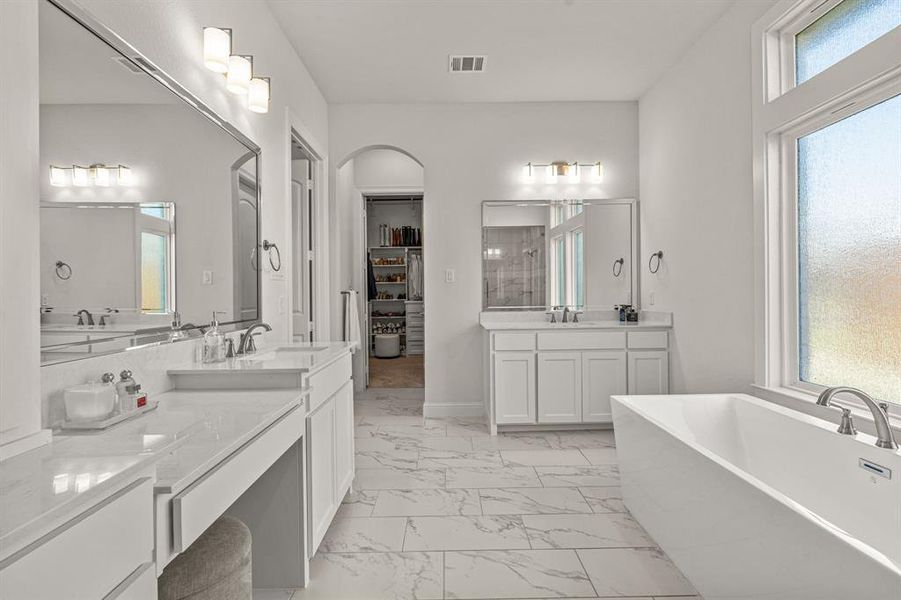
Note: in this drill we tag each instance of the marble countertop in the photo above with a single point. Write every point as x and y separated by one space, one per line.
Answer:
537 320
188 434
297 358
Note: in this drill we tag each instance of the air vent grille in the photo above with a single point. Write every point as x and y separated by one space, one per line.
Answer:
459 63
131 66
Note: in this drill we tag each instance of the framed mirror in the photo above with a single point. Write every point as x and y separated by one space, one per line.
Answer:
543 254
149 207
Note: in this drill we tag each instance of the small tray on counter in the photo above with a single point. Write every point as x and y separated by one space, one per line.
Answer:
108 421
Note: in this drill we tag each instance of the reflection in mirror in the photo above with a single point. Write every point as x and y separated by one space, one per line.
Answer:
148 202
542 254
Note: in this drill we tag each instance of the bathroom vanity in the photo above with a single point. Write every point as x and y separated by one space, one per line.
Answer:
545 374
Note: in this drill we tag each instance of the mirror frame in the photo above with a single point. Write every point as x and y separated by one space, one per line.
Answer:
106 35
635 245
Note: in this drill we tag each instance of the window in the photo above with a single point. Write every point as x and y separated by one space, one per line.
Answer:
559 286
578 269
849 246
847 27
567 255
156 259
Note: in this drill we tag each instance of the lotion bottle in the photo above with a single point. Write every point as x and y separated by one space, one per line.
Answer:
214 342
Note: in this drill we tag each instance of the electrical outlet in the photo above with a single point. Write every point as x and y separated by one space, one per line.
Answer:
450 276
207 278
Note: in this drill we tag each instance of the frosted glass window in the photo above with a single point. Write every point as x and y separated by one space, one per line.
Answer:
154 272
848 27
578 269
559 272
849 243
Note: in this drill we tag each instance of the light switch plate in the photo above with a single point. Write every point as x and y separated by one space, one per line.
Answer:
450 276
207 278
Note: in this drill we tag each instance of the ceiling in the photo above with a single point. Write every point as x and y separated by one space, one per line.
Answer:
538 50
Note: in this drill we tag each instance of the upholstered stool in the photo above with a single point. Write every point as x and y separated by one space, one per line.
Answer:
215 567
387 345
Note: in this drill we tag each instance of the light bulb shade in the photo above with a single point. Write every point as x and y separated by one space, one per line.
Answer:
258 95
240 72
124 175
597 172
80 176
574 174
101 176
528 175
59 177
217 47
550 175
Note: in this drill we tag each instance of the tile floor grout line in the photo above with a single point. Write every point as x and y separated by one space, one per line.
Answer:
584 570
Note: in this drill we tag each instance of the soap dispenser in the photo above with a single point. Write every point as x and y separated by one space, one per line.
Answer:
214 342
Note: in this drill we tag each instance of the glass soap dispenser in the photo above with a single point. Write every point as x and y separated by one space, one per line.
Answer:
214 342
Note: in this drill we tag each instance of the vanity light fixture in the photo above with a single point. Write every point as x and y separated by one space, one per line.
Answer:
59 177
550 175
258 95
575 173
101 175
240 72
123 175
80 176
217 48
572 173
98 174
597 173
528 176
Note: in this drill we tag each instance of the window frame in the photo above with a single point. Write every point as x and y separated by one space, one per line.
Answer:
780 116
573 221
145 223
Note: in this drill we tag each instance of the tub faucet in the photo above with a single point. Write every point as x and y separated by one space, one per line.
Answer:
884 435
246 345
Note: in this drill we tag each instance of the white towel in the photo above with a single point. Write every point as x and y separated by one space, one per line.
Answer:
351 319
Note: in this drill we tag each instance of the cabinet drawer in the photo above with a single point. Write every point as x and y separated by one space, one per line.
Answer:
582 340
640 340
195 509
326 382
514 341
89 556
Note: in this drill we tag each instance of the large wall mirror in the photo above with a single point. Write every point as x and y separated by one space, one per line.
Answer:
541 254
149 207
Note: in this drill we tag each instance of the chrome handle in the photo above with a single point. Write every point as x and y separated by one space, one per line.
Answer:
618 263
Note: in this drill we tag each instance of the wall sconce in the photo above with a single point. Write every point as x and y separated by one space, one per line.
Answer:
240 72
237 68
217 48
97 174
258 95
571 172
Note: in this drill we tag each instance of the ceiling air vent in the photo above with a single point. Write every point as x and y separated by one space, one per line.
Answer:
467 64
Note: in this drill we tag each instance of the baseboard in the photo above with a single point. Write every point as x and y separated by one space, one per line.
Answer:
453 409
29 442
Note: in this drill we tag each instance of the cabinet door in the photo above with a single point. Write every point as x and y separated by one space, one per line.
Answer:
603 375
344 440
321 470
559 387
514 387
649 372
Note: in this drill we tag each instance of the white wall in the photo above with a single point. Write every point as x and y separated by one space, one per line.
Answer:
696 205
470 153
385 168
170 34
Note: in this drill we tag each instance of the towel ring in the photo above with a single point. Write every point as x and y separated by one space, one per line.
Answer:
63 270
268 246
651 265
619 262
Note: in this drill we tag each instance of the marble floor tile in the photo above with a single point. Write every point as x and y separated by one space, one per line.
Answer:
415 430
403 503
394 478
524 501
600 456
562 440
363 534
604 499
450 458
363 431
464 428
451 444
466 533
510 441
358 503
534 458
599 475
515 574
372 459
375 576
386 442
272 594
634 572
390 420
492 477
613 530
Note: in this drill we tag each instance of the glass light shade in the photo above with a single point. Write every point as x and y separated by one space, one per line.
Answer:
101 176
527 174
550 175
217 47
258 95
80 176
124 175
597 172
240 72
574 175
59 177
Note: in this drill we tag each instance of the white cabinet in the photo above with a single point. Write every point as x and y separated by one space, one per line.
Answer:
559 387
321 468
603 375
514 387
344 440
649 372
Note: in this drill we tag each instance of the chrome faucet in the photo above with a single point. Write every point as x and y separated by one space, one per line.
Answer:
84 313
566 313
884 435
246 345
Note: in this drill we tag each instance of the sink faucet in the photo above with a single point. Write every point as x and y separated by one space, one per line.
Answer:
246 345
566 312
884 435
84 313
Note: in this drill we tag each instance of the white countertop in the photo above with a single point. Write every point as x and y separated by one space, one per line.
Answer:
285 359
538 320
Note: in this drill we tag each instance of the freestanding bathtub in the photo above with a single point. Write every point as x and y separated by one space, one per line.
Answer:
753 500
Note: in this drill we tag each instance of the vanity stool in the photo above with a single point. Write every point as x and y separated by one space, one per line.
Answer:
216 566
387 345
